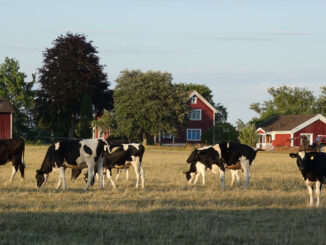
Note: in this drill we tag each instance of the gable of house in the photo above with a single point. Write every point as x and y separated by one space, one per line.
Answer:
287 130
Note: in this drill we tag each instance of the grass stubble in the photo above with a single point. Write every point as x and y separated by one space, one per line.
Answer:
273 210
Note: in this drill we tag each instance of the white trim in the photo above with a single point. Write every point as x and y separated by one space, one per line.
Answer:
195 119
203 99
261 130
193 101
308 122
310 134
193 139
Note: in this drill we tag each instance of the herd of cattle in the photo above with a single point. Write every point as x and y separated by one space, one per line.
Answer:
98 156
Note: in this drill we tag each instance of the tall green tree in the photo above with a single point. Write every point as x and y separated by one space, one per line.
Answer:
84 129
70 70
320 105
285 101
20 94
149 103
248 135
221 132
206 92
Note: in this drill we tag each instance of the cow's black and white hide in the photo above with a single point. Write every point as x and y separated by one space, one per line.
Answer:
122 156
12 150
312 166
75 154
220 156
207 158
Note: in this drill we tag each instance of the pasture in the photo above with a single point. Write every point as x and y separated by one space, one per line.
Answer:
273 210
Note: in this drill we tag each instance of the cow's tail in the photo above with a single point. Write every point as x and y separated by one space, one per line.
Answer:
259 150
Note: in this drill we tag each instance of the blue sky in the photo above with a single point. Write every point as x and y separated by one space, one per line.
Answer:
237 48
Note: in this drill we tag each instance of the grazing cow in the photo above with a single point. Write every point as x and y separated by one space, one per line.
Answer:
122 157
218 157
75 154
313 169
12 150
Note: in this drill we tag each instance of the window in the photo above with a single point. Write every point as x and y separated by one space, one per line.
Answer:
194 100
309 137
195 115
167 136
193 134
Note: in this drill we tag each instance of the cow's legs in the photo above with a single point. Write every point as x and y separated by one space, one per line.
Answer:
99 166
118 174
235 173
46 178
59 183
62 177
127 173
246 170
90 170
318 191
109 175
136 164
142 172
222 177
196 177
309 187
13 173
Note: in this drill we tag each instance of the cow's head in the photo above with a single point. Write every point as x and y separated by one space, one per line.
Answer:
300 156
194 157
190 174
39 178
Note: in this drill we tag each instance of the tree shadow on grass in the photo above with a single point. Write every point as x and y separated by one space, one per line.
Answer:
166 226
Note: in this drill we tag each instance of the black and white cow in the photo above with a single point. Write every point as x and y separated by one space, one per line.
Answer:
122 156
12 150
313 169
75 154
218 157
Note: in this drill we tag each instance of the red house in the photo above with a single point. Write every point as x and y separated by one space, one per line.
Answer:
201 118
287 131
6 112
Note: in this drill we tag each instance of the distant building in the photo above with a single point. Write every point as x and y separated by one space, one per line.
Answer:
201 118
6 112
288 130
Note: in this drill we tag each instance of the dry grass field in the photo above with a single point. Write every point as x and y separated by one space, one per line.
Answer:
273 210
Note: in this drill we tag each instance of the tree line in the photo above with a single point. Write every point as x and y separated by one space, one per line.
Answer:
71 89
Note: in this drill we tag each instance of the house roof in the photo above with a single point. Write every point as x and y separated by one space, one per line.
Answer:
195 93
290 122
5 106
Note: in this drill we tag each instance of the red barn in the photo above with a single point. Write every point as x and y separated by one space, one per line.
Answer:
6 112
201 118
287 131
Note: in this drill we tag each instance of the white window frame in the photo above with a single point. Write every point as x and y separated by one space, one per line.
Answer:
166 136
309 136
192 113
194 100
194 129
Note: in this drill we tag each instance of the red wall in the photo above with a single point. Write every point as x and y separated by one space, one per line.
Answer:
282 140
5 125
206 122
316 128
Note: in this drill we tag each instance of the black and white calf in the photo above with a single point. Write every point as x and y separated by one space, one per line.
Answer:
12 150
122 156
75 154
313 169
218 157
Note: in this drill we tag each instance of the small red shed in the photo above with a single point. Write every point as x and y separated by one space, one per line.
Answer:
6 112
287 130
